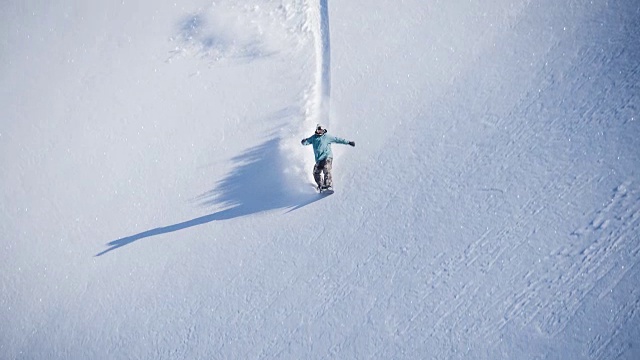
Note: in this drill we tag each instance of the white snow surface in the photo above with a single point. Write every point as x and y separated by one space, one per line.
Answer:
156 203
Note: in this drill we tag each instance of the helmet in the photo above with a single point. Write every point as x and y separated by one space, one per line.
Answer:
320 130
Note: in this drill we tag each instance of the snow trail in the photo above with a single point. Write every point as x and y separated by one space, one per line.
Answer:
320 93
325 63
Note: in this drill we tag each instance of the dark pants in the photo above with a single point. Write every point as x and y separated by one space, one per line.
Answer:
323 166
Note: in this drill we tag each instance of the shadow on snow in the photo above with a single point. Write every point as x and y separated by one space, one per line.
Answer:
258 183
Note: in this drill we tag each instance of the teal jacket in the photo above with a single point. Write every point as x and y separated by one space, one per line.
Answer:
322 145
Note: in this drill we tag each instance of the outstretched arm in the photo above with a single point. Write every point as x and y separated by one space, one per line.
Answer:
338 140
305 141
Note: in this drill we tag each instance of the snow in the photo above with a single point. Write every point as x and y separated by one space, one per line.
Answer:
156 203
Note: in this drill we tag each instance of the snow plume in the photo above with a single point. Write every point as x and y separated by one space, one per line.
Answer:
238 31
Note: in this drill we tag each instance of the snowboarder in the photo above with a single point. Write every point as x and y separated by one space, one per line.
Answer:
321 142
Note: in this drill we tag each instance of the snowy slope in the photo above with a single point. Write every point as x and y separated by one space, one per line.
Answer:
156 203
509 160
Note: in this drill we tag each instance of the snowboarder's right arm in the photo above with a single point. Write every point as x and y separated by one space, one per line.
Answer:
305 141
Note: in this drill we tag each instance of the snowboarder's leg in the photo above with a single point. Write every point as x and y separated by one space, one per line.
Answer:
317 174
328 180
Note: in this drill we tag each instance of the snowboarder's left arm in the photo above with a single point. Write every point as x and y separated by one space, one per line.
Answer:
338 140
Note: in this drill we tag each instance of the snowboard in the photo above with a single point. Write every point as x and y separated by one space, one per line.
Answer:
323 191
326 191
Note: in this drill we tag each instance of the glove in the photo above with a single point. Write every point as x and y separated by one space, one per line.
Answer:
302 142
352 143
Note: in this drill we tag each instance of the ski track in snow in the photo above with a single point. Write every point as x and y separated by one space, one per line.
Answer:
325 56
319 93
